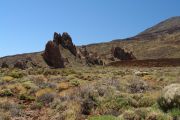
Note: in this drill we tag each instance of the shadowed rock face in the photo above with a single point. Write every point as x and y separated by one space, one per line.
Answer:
83 52
20 65
65 41
119 53
57 38
4 65
25 63
89 57
93 60
52 55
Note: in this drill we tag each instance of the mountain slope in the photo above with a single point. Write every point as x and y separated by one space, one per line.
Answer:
159 41
170 23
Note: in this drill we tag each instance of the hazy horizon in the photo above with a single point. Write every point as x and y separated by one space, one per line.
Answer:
26 26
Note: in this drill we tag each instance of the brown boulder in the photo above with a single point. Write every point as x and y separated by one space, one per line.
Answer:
20 65
120 53
52 55
4 65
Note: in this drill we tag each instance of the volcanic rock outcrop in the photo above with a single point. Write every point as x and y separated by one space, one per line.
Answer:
61 51
4 65
121 54
52 55
89 57
20 65
57 38
66 41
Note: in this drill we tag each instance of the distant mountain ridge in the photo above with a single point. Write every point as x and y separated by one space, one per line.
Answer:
159 41
171 23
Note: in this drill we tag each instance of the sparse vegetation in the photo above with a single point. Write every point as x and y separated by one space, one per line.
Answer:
105 117
6 92
45 95
89 93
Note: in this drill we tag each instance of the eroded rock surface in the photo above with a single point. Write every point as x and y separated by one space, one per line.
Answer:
121 54
4 65
20 65
52 55
89 57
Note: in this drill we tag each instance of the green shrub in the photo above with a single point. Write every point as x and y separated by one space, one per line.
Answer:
16 74
157 115
103 117
36 71
36 105
125 102
119 73
167 106
66 72
75 82
45 95
51 72
130 115
142 112
146 102
175 112
6 92
169 98
26 97
7 78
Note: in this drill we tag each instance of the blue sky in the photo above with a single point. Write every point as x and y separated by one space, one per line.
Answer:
26 25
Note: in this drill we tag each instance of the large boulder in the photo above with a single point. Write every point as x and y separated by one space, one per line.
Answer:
170 97
52 55
120 53
4 65
20 65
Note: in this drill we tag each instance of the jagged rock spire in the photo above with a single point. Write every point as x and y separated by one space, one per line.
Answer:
57 38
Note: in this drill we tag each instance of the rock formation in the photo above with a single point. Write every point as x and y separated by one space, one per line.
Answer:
59 51
67 43
4 65
83 53
52 55
89 57
93 60
20 65
62 52
57 38
120 53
